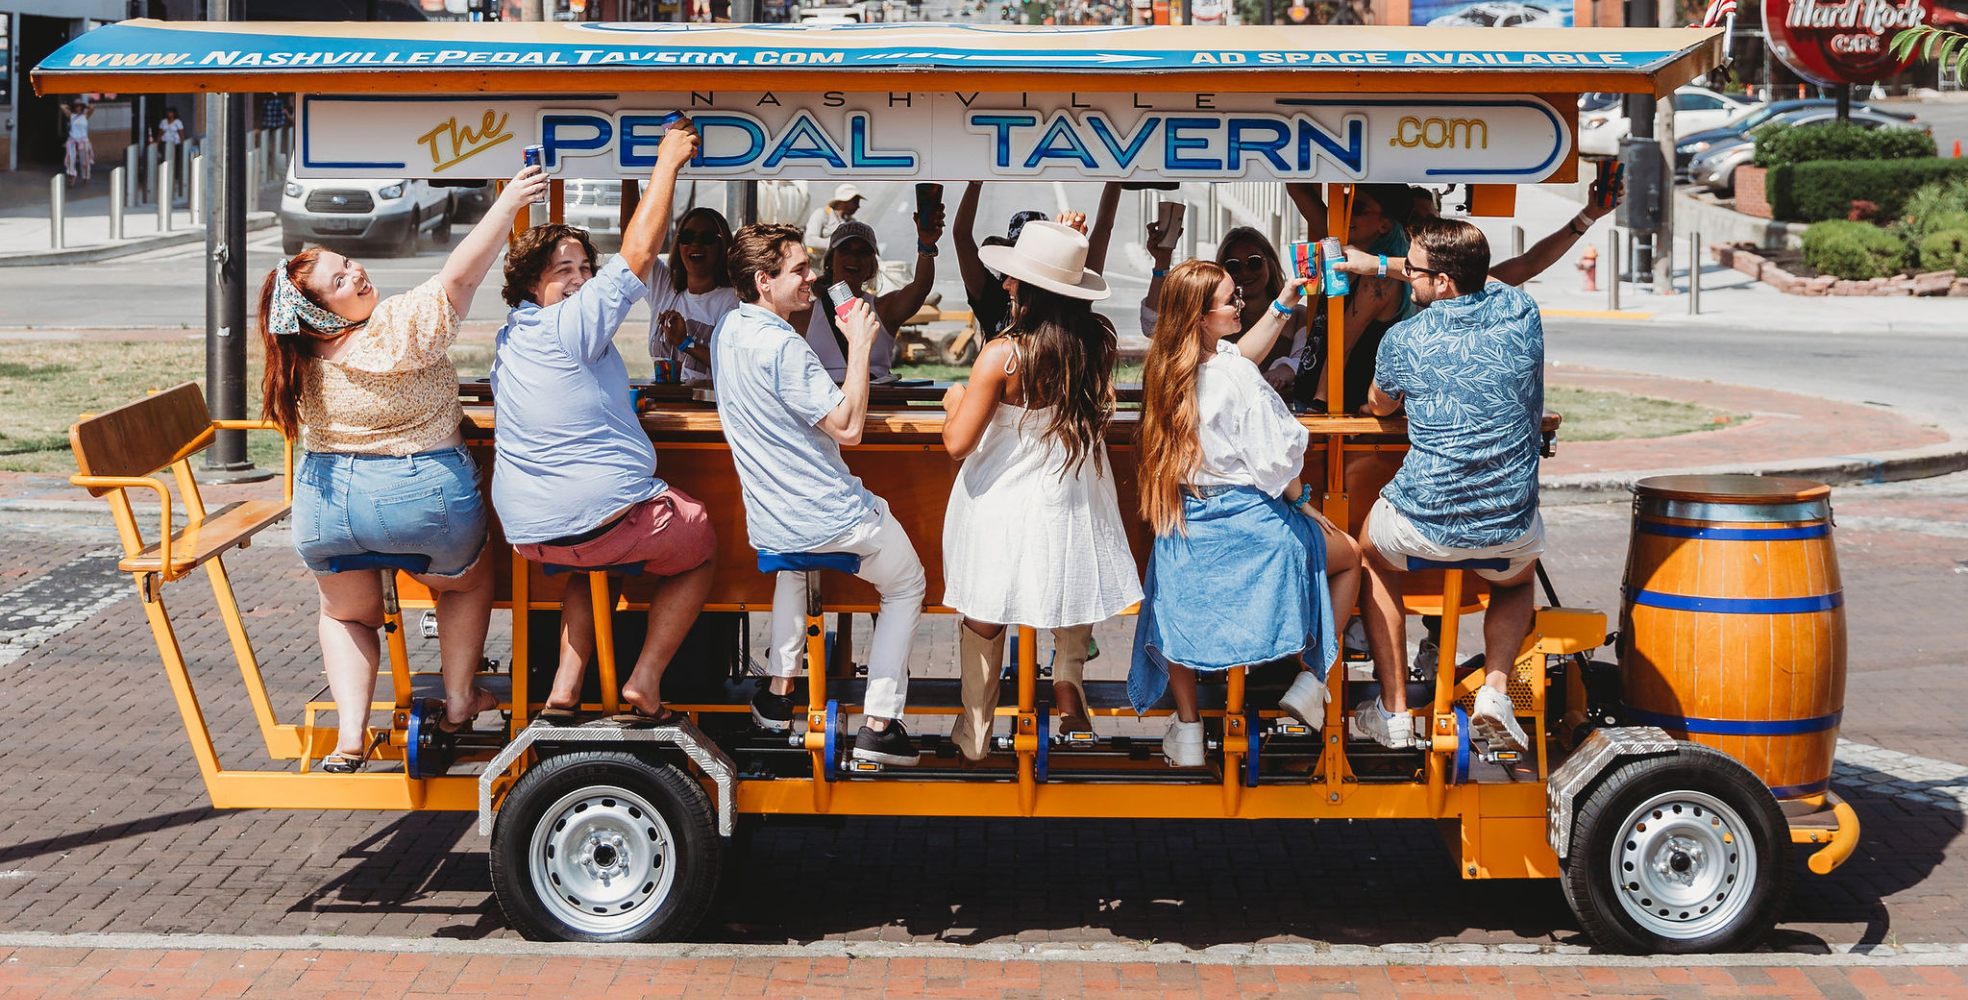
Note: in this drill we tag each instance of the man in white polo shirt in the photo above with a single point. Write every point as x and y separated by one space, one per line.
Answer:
785 421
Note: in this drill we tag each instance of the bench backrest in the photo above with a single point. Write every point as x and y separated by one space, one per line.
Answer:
137 439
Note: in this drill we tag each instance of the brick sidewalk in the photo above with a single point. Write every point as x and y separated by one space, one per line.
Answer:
32 973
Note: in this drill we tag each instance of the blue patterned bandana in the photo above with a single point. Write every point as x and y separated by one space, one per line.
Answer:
291 308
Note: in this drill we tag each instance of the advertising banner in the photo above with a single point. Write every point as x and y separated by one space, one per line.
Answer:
1841 42
947 136
1492 13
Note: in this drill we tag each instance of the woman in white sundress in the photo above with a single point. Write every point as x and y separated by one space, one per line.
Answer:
1033 533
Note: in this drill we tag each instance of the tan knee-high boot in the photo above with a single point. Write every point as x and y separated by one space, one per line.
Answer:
978 661
1069 656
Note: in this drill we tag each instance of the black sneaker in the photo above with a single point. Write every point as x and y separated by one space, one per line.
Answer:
772 711
890 746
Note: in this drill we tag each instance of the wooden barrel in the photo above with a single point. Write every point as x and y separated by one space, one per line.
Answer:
1732 622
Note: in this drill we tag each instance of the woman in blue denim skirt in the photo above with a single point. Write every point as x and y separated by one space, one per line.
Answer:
368 385
1244 570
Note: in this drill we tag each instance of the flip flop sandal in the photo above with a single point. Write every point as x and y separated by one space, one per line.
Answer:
637 717
554 716
352 763
449 728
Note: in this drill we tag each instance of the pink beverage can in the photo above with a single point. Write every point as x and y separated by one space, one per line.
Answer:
1331 255
535 156
842 297
666 372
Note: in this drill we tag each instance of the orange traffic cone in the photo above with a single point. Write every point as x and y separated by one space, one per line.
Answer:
1957 149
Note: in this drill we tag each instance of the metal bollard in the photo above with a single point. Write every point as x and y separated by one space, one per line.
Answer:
164 195
1516 241
195 182
1694 273
1613 239
151 155
57 210
116 205
132 177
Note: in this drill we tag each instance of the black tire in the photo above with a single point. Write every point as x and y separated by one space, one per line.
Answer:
946 353
601 801
407 247
1718 845
291 245
441 233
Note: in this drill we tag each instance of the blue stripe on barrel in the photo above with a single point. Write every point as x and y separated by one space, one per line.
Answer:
1734 534
1732 727
1740 605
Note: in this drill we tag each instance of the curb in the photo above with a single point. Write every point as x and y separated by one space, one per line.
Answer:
1159 953
1842 470
110 251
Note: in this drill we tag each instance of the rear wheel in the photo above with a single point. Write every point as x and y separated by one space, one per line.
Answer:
1679 854
291 245
605 846
407 247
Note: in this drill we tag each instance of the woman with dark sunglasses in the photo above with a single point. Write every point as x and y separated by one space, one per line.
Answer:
690 292
1253 266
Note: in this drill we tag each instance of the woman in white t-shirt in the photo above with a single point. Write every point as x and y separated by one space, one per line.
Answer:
171 128
77 153
691 292
854 257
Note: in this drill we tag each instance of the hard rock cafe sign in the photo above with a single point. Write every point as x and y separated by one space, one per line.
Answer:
1843 41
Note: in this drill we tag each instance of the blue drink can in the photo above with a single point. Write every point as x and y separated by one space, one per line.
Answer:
1331 254
535 156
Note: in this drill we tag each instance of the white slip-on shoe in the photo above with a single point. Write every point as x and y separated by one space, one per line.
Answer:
1183 743
1393 731
1306 699
1495 721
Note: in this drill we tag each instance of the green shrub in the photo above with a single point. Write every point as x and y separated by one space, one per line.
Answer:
1855 250
1825 189
1934 207
1946 250
1781 142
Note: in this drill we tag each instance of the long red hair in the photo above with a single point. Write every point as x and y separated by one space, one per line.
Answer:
1167 452
286 357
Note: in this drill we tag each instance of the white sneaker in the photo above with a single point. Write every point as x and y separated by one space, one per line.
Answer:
1395 732
1427 655
1306 700
1183 743
1495 721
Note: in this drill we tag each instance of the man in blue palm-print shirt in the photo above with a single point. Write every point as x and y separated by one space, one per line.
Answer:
1470 371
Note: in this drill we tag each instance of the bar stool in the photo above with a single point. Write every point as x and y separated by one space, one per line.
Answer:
822 714
1448 725
602 600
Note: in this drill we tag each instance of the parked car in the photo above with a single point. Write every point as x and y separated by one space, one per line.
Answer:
386 214
1501 14
1715 168
1695 109
596 206
470 199
1686 147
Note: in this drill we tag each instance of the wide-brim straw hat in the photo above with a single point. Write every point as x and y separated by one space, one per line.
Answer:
1050 256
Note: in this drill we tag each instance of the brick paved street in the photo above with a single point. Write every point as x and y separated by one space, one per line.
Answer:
110 830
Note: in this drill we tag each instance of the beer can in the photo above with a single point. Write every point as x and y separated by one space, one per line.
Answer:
1331 254
535 156
843 298
666 372
1302 258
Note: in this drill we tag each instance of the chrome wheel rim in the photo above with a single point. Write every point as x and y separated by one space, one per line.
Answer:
1684 865
602 859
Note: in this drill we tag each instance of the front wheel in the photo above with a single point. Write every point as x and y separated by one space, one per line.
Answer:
1679 854
604 846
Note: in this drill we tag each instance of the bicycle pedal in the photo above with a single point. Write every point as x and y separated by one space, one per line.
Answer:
1285 727
865 766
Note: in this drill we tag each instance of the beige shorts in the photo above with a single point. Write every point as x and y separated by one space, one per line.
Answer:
1399 541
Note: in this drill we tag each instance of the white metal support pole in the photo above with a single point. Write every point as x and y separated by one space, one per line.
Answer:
116 203
195 186
1614 239
132 177
151 155
1694 273
1516 241
57 210
164 195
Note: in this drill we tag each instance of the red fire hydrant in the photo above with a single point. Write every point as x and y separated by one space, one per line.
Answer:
1588 265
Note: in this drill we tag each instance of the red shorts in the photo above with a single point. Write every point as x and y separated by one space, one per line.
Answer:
668 534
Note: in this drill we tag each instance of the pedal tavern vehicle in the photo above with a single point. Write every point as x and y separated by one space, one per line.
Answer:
1636 793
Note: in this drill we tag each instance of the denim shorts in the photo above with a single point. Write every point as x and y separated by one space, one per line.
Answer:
424 504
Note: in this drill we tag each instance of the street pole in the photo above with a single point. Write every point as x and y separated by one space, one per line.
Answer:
225 281
1845 102
1640 112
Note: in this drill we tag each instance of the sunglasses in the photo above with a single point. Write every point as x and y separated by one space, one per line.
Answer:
1238 265
1427 270
692 237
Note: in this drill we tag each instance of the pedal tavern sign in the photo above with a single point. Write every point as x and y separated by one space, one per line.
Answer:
949 136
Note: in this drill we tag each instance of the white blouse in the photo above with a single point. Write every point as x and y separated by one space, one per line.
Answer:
1248 437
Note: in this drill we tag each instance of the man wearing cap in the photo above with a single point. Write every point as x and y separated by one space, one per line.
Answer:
821 224
785 421
854 258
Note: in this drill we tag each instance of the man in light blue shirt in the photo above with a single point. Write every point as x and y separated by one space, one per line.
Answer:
575 481
785 421
1470 371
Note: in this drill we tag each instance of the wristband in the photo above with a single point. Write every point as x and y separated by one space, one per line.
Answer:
1383 265
923 251
1579 224
1304 495
1280 308
1158 273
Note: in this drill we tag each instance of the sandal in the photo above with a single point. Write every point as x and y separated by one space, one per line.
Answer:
343 762
554 715
663 716
449 728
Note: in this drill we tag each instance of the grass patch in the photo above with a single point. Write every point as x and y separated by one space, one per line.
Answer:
45 385
1601 415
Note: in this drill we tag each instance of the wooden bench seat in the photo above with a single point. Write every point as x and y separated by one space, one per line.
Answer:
221 530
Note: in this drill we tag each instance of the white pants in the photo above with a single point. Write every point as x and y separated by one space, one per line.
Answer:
889 562
1399 540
